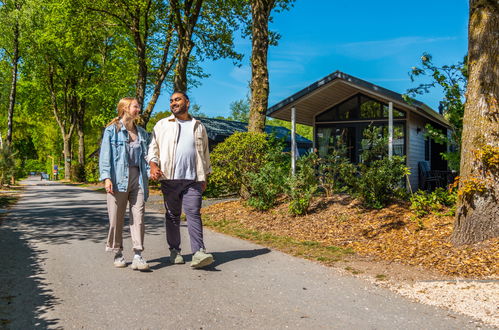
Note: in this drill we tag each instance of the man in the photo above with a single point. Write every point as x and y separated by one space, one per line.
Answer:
179 157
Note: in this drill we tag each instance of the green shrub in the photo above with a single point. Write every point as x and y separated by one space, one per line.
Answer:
302 186
380 182
424 203
77 172
269 182
234 159
380 177
92 170
7 164
336 172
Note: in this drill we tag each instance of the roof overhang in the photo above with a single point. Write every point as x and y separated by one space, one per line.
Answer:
336 87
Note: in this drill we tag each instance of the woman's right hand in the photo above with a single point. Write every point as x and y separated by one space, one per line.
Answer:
108 184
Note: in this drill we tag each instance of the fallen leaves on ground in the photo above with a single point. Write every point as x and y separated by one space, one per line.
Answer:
391 234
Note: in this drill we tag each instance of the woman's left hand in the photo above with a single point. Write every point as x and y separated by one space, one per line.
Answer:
109 186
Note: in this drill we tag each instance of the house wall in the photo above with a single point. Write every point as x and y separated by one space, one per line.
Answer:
416 142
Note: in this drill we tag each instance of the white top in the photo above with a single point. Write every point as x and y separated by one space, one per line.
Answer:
185 154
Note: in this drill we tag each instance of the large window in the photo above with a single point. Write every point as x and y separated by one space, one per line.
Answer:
331 136
358 107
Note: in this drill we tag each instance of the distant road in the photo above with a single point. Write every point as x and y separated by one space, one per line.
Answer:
55 274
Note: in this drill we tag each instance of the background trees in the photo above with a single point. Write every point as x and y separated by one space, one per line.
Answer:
452 79
477 215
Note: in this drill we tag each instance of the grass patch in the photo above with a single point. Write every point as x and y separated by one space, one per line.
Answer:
311 250
7 200
381 277
353 270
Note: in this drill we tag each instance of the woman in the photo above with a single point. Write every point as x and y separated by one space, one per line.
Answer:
123 168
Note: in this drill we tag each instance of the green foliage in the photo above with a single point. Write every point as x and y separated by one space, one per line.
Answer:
381 181
34 165
7 164
77 172
92 170
239 110
453 79
267 184
234 159
380 177
424 203
302 186
336 172
304 130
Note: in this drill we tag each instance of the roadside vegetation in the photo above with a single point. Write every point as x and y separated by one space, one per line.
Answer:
332 209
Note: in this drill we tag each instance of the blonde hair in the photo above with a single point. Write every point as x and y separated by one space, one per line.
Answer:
122 106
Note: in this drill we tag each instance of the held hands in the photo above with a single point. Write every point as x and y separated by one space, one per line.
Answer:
156 172
109 186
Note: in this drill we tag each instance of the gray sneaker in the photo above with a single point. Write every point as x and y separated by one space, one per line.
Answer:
139 263
201 259
175 257
119 261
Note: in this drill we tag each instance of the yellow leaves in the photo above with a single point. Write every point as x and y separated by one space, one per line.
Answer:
385 234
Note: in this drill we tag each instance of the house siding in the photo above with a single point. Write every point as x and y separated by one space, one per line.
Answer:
417 145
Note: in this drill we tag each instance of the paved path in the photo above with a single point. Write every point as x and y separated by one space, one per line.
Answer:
55 274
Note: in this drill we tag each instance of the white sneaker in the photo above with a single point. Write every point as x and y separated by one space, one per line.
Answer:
139 263
119 261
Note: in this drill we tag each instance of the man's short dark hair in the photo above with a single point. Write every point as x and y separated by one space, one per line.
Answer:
183 93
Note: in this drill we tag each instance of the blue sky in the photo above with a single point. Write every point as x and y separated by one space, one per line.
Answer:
378 41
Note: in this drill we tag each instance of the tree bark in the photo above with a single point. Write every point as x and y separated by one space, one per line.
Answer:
477 216
66 121
13 85
81 137
185 21
260 13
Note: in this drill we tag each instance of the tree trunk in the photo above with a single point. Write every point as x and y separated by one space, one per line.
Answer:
260 13
161 74
185 18
477 217
141 82
13 85
67 156
180 77
81 177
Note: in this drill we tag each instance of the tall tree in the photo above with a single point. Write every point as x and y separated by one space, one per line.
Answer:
64 57
261 38
477 215
10 11
149 25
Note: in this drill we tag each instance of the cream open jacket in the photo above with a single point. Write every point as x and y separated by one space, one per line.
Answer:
164 143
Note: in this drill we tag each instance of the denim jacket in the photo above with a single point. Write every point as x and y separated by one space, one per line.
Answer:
113 159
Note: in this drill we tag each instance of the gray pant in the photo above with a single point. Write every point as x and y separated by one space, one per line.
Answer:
186 194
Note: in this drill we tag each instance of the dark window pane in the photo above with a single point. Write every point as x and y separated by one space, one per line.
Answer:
396 112
346 110
343 111
370 108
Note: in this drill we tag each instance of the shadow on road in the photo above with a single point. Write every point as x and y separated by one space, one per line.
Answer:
228 256
80 216
23 295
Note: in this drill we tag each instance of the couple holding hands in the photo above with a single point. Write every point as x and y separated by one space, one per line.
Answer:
177 155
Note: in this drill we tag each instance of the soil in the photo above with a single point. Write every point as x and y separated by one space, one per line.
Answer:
390 242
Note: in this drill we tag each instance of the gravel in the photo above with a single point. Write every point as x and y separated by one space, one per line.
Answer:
478 299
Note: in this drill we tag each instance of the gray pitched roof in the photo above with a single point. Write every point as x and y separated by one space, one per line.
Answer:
359 83
219 129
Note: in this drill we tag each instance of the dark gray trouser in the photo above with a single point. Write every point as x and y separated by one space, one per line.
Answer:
186 195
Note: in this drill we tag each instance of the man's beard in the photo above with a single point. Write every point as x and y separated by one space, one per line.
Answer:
179 111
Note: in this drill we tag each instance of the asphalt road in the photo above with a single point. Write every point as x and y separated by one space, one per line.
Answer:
55 274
